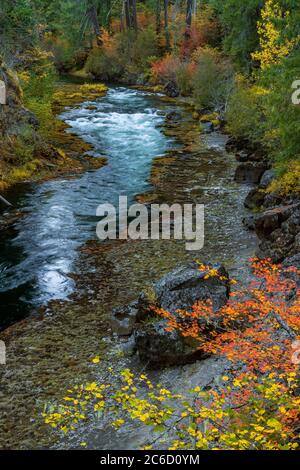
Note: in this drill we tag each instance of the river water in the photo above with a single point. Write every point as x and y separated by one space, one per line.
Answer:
38 253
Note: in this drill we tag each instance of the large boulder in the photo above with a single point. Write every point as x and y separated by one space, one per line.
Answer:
183 287
171 89
13 115
257 197
278 230
272 219
267 179
158 347
250 172
178 290
254 199
236 145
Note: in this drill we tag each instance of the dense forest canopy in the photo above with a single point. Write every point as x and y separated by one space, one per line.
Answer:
239 56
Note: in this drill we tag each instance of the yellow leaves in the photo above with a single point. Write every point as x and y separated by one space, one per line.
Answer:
260 91
237 383
165 392
91 387
96 360
99 406
118 423
192 432
272 46
93 88
274 424
144 417
288 182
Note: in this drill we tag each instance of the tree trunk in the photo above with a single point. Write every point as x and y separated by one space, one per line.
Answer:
93 16
158 16
130 14
127 14
133 15
108 14
189 14
166 17
195 7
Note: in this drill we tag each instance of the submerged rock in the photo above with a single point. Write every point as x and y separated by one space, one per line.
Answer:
173 116
207 127
124 318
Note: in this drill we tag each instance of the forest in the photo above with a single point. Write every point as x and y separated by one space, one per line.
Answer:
138 344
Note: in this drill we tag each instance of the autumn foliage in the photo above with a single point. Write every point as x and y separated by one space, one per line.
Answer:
254 406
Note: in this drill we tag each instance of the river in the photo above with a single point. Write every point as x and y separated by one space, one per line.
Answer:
38 253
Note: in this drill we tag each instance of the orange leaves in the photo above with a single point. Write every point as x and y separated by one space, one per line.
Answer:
255 331
253 327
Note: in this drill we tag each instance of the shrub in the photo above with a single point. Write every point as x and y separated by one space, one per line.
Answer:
184 77
213 78
124 54
104 64
244 112
164 70
288 180
24 145
144 47
38 79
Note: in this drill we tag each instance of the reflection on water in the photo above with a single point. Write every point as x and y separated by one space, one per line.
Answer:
37 255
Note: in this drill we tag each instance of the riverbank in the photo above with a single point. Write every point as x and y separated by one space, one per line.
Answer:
54 347
38 147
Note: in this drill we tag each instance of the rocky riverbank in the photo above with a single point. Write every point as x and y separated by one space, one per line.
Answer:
27 154
276 218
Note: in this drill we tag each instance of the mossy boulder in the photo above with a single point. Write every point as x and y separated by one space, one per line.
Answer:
13 115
